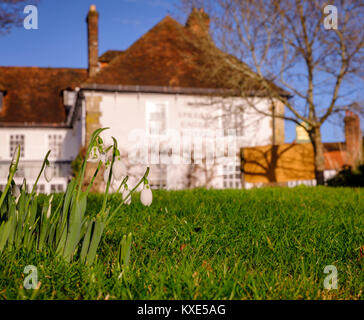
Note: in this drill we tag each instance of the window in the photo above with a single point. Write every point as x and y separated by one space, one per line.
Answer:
232 176
55 145
233 121
57 188
156 118
20 172
40 188
158 176
15 140
56 170
69 97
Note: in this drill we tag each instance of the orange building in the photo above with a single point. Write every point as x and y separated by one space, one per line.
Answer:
292 164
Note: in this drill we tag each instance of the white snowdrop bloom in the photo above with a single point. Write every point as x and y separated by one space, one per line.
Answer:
15 191
48 173
114 186
124 192
15 155
103 157
119 170
24 186
94 155
106 175
50 207
146 195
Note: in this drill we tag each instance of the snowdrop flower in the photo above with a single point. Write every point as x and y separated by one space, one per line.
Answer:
50 207
106 175
48 173
118 169
24 186
15 191
124 194
103 157
94 155
15 155
146 195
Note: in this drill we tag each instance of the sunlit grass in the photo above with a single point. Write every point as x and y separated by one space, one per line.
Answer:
210 244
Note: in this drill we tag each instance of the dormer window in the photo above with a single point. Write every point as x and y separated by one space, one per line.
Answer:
69 97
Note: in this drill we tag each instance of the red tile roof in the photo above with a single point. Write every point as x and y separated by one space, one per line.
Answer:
335 160
166 56
335 155
109 55
34 95
158 58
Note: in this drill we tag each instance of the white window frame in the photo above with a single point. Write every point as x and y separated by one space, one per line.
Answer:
154 107
159 180
22 148
49 138
231 178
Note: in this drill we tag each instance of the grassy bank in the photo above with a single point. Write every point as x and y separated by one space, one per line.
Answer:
211 244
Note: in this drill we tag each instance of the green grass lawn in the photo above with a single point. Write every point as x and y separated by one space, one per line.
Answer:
267 243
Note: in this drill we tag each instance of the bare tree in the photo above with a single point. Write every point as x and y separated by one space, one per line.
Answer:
281 51
12 13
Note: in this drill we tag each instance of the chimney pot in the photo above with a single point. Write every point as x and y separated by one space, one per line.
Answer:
199 22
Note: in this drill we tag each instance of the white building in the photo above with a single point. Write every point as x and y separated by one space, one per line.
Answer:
151 91
34 114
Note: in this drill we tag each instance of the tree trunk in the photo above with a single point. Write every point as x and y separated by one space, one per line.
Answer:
319 159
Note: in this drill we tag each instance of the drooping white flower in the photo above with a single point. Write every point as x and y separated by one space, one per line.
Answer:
106 175
103 157
119 170
48 173
146 196
124 193
94 155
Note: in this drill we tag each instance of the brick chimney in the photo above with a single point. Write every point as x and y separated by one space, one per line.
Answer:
199 22
353 138
93 42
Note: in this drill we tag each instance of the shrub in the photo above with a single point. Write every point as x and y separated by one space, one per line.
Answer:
348 177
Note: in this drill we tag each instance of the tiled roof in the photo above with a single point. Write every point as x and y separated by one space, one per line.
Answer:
34 95
335 155
335 160
165 56
334 146
109 55
158 58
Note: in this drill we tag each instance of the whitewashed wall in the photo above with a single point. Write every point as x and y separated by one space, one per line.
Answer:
125 112
36 143
36 146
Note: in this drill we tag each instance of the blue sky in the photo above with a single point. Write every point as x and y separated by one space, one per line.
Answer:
61 38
